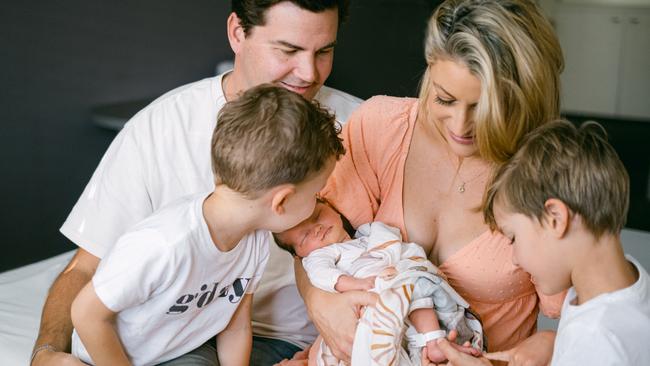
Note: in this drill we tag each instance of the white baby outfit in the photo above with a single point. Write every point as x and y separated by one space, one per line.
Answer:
412 283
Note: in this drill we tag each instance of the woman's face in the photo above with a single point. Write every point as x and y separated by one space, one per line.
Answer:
452 102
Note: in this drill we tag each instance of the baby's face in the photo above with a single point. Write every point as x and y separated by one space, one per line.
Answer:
322 228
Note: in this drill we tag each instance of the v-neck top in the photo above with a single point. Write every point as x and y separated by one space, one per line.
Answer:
367 185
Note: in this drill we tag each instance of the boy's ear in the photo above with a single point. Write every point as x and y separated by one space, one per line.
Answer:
280 196
235 32
558 216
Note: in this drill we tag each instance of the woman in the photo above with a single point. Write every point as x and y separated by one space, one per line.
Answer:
422 164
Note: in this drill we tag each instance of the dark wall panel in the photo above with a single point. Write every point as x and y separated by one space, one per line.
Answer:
59 60
380 49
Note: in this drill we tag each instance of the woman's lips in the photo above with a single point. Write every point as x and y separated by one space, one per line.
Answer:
463 140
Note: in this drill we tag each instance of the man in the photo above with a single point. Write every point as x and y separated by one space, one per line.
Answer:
162 154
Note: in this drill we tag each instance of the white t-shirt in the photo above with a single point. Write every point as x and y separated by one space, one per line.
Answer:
172 288
610 329
162 154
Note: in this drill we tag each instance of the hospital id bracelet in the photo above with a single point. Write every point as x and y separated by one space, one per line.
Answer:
40 348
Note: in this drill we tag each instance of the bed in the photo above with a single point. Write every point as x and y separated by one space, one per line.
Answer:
23 291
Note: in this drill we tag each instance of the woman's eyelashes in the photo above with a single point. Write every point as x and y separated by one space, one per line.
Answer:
443 102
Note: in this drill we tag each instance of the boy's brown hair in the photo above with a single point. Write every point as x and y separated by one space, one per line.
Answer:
575 165
271 136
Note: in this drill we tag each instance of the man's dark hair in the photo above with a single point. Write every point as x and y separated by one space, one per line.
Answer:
251 12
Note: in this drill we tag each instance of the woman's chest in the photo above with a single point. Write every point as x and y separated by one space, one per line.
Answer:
482 271
438 216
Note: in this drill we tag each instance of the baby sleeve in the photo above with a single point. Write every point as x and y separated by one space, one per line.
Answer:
321 269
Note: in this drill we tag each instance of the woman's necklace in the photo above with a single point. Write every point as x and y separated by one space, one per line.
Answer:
461 187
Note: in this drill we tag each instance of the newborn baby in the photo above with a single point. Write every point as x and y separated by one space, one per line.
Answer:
335 262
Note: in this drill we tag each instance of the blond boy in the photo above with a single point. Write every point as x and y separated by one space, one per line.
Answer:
188 272
562 200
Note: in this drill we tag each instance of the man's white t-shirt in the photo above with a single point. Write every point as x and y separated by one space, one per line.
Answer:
172 288
610 329
162 154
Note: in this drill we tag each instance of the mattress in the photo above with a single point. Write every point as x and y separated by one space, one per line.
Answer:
22 294
23 291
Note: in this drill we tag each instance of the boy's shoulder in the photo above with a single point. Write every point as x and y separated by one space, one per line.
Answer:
172 223
615 323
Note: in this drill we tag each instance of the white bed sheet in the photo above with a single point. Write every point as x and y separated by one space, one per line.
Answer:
23 291
22 294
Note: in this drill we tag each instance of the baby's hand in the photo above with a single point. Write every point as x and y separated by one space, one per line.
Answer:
349 283
388 273
368 283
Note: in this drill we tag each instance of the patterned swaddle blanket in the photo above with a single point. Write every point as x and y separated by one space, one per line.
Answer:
383 330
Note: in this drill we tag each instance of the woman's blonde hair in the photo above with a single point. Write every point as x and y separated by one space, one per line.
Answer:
512 49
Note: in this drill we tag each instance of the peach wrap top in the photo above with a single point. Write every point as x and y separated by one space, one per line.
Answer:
367 185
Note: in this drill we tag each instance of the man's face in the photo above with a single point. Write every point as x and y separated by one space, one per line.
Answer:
294 49
322 228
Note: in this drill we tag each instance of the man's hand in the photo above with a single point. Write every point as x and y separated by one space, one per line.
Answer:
49 357
336 317
536 350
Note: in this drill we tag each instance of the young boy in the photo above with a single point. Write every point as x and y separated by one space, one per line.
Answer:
188 272
377 260
562 200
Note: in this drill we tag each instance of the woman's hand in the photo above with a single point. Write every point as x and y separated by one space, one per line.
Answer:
536 350
336 316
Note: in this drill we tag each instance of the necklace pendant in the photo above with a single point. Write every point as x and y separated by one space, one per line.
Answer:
461 188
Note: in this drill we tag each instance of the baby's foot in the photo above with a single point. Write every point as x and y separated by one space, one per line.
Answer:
434 353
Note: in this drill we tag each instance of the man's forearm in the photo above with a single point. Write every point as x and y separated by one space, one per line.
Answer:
56 324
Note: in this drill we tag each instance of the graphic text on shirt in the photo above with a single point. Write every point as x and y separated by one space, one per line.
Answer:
233 293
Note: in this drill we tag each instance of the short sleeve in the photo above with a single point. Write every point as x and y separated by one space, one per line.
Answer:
578 344
374 141
115 198
138 267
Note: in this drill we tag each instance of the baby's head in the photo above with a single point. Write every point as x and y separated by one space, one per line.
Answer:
324 227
